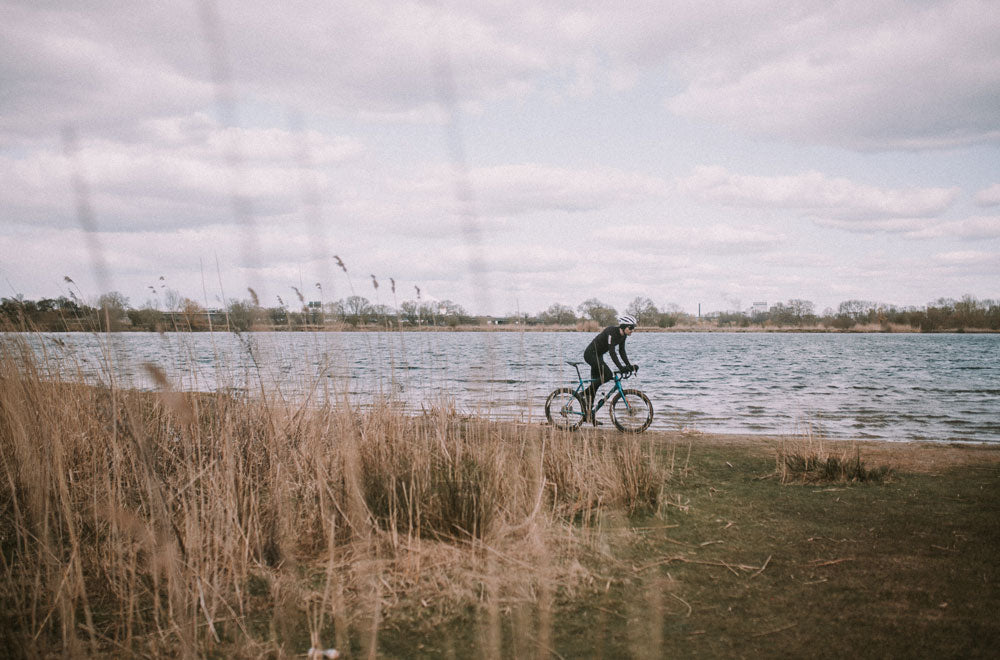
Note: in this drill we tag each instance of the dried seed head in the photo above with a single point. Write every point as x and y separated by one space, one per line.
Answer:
172 399
158 375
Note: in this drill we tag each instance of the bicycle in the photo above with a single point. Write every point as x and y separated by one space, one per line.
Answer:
630 409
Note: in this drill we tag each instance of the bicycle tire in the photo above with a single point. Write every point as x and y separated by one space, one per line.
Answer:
632 413
565 409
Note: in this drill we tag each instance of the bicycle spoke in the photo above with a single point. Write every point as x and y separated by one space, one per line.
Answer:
564 409
632 412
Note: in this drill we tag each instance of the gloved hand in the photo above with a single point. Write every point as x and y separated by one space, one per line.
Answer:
634 368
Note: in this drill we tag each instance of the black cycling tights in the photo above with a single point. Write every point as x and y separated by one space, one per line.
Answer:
600 372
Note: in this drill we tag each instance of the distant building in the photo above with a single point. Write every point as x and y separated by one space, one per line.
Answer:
758 308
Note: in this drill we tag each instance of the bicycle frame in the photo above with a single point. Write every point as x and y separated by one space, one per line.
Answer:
583 382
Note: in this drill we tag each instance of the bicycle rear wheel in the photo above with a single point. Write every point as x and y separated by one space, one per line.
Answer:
564 409
632 413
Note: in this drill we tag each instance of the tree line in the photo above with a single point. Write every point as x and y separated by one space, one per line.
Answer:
112 311
943 314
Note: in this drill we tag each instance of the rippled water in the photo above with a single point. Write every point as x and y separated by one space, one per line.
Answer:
896 387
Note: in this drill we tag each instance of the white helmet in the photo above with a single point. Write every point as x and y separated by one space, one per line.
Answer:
626 320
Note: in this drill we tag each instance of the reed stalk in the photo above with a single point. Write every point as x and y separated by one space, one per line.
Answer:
189 524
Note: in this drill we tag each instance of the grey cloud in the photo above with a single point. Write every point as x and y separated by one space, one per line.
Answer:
989 196
909 226
70 66
529 188
833 199
179 172
970 260
976 228
886 76
716 239
106 66
857 74
968 229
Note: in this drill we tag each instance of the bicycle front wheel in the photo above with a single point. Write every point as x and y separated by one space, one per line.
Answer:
632 413
564 409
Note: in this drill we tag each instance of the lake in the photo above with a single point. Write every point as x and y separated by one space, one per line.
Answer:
888 386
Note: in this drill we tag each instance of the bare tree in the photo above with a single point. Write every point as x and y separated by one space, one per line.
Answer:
643 310
355 309
601 312
558 315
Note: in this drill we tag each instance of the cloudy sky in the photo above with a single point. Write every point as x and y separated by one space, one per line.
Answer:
504 155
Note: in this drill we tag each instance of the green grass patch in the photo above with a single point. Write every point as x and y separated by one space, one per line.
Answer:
738 565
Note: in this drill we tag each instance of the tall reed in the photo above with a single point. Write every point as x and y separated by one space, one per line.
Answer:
184 524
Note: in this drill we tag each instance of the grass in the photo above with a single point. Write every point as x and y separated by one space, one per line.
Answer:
740 565
210 524
900 569
180 525
808 459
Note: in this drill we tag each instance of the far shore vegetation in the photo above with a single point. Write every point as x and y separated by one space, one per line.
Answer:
172 312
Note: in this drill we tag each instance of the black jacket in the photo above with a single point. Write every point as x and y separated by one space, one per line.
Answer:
605 342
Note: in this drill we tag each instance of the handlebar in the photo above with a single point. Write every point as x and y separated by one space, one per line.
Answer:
621 375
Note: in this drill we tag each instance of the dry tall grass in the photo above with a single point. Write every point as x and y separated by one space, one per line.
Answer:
809 459
182 524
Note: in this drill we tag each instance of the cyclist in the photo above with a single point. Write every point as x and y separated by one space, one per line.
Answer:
605 342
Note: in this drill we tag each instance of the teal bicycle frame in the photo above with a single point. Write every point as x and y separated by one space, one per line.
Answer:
584 382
